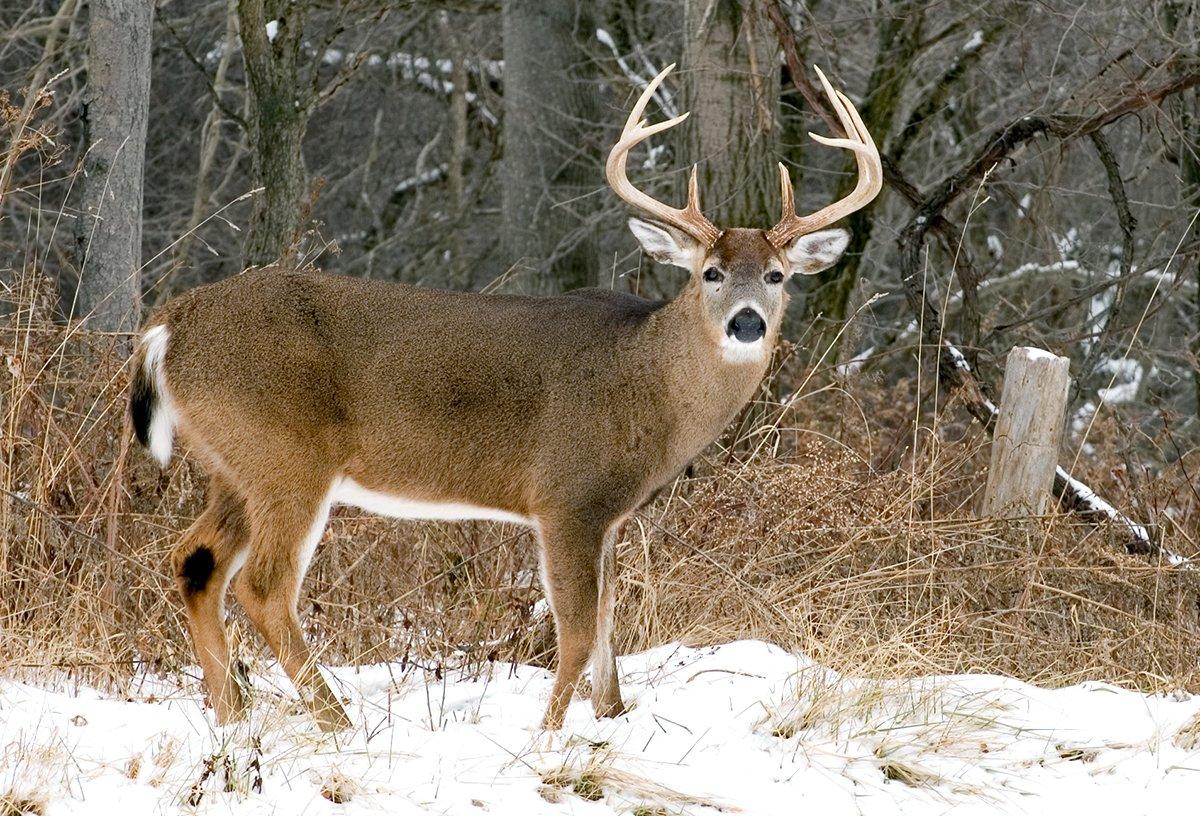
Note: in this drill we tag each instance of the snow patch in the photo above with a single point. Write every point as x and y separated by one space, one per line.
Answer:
745 726
1127 376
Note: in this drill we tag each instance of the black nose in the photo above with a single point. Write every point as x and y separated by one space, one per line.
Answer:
747 326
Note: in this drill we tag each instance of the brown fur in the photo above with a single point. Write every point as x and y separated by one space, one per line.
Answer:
570 411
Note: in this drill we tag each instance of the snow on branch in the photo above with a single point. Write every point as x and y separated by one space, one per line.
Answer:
665 99
1083 500
430 74
421 179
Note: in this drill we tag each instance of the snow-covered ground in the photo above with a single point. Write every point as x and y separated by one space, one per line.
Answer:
744 727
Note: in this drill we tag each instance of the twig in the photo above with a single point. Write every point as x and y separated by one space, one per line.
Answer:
1116 189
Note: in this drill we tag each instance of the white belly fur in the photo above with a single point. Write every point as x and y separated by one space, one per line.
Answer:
347 491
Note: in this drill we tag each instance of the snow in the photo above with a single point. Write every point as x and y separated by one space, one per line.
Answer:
852 366
421 179
272 30
1127 376
974 43
957 356
1095 504
744 726
665 99
1033 353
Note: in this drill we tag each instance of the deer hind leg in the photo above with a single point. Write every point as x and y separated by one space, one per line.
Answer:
284 533
571 571
606 688
204 561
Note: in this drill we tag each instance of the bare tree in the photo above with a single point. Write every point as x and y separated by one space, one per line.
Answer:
115 111
731 59
898 34
272 32
1181 22
550 166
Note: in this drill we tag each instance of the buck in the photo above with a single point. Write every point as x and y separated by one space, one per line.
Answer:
301 391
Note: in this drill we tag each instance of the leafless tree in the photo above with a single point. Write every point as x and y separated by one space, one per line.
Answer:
550 147
115 111
731 60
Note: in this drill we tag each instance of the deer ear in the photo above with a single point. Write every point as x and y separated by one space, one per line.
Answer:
665 244
811 253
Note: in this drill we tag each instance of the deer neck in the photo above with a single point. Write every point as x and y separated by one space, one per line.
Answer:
705 387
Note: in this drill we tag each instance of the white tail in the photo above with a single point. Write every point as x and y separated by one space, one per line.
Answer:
161 434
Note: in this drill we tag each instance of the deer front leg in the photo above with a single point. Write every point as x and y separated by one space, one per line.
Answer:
606 688
571 570
269 586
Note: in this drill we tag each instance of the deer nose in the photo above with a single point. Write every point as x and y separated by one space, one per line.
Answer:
747 326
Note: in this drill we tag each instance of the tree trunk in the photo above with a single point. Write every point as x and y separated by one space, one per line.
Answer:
210 140
551 169
116 106
1186 109
272 32
898 40
1188 117
731 62
459 119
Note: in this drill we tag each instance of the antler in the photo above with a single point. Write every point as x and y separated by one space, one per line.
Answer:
870 174
689 219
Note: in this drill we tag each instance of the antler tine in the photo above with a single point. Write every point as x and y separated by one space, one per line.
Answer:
689 219
870 173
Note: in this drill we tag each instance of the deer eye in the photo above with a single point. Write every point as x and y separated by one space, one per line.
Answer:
713 275
774 276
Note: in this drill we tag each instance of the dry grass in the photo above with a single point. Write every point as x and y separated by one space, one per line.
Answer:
818 552
839 524
20 806
593 773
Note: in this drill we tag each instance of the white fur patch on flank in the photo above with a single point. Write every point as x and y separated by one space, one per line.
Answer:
347 491
163 417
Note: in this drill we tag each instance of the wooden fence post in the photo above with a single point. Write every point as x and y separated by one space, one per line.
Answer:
1028 432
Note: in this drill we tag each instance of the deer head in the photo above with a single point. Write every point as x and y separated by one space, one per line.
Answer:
738 272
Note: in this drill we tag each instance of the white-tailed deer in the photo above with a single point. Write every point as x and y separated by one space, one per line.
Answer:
301 391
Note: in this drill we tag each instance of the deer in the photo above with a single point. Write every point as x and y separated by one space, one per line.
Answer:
298 391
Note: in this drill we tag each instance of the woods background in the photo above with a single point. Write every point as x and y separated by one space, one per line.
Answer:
1042 188
461 145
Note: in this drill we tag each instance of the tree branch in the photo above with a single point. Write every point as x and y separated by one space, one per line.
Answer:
953 369
1116 189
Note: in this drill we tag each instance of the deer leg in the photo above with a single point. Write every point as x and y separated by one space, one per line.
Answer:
204 561
606 688
283 536
570 572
